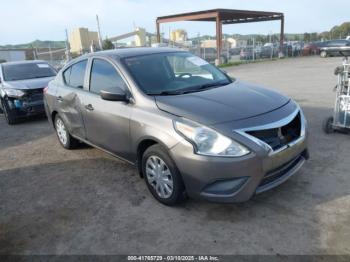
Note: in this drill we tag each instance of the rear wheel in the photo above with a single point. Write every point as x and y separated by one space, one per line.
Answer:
8 113
66 140
323 54
162 177
328 125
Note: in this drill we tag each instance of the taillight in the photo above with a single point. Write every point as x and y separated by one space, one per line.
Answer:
46 89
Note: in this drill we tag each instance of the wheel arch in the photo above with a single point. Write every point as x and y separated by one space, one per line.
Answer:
53 115
142 145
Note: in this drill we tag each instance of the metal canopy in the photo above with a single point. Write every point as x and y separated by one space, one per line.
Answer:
224 16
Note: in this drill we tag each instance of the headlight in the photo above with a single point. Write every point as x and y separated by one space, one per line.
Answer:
303 123
14 93
207 141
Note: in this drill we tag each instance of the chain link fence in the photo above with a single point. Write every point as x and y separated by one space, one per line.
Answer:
56 57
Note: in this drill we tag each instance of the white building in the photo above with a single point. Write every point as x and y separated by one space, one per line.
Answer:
212 44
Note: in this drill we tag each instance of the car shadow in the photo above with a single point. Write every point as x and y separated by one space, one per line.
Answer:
27 130
42 206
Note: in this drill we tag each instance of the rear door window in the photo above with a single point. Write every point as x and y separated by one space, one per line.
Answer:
104 77
75 74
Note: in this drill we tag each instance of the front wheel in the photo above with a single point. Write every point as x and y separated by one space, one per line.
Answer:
328 125
8 113
66 140
162 177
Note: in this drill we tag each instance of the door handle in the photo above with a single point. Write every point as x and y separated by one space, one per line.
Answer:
59 99
89 107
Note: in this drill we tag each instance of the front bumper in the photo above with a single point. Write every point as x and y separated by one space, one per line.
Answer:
25 107
223 179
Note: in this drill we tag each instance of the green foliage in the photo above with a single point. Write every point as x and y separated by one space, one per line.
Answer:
38 44
337 32
107 44
341 31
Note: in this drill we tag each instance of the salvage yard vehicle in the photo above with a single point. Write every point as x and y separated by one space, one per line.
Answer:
189 128
334 47
312 48
21 88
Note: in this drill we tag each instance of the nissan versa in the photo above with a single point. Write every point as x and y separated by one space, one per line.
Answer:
21 88
189 128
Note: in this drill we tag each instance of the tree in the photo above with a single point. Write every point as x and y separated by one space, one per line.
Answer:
313 36
341 31
107 44
307 37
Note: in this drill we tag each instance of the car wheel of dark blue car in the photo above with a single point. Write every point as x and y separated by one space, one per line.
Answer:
162 177
9 115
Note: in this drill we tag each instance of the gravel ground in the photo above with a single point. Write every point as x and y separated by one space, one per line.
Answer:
54 201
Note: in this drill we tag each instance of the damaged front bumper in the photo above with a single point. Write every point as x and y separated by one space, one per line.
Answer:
27 105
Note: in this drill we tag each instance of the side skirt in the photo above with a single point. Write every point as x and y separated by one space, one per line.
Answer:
104 150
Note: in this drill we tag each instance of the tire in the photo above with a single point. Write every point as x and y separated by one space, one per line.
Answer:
327 125
65 139
9 115
165 182
323 54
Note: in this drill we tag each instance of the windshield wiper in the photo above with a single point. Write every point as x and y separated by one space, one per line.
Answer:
191 89
166 93
206 87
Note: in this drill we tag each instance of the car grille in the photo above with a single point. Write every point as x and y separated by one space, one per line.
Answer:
278 137
34 95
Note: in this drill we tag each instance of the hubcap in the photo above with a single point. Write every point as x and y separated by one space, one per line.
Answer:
159 176
61 131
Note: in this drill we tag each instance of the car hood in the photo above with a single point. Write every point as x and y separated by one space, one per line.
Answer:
235 101
28 83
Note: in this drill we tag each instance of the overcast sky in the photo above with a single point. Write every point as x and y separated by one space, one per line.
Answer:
26 20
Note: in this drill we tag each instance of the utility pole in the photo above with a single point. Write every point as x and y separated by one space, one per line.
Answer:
68 56
99 33
169 44
253 48
50 54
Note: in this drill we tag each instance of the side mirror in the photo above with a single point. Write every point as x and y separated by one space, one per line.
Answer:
118 95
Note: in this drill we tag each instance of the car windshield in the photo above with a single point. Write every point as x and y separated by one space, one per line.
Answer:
13 72
174 73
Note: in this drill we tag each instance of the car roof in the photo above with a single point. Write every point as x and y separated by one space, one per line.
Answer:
134 51
23 62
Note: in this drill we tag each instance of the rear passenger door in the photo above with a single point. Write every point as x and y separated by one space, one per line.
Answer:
69 97
107 123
